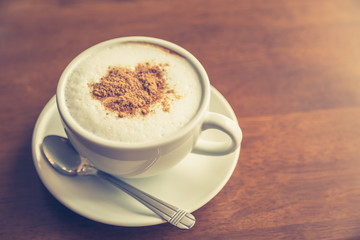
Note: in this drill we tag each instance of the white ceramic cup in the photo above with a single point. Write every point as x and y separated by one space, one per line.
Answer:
139 159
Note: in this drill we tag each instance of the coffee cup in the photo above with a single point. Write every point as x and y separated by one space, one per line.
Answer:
141 145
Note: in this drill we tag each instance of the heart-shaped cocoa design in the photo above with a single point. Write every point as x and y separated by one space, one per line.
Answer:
130 92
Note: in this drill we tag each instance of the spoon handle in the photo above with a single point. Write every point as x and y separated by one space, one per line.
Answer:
168 212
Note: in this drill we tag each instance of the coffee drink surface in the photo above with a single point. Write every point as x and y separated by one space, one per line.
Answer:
92 116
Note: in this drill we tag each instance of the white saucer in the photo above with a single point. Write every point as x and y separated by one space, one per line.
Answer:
189 185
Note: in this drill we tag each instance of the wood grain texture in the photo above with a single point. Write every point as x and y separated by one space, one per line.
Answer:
290 70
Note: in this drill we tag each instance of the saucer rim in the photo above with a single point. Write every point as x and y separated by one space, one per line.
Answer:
218 187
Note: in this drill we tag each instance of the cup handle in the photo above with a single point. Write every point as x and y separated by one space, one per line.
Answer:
224 124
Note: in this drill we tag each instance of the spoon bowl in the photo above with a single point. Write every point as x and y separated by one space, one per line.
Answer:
61 155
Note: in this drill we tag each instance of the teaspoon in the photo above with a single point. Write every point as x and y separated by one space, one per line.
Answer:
63 157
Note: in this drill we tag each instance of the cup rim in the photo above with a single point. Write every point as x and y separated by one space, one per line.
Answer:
75 127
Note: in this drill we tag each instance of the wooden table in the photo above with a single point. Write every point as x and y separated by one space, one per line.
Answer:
290 70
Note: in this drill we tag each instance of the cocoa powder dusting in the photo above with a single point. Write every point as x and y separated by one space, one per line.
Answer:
129 92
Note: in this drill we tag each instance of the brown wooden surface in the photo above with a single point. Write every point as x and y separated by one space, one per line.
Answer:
290 70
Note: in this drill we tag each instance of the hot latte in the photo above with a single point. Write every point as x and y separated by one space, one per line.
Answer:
132 92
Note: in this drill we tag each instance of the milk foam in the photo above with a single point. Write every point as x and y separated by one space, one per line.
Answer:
91 114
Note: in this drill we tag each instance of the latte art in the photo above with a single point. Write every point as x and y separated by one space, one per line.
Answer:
151 122
128 92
